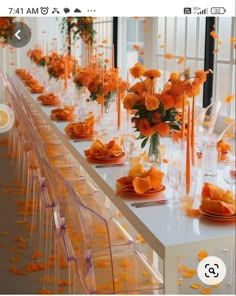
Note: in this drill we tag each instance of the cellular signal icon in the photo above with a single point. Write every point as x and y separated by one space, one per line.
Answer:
204 11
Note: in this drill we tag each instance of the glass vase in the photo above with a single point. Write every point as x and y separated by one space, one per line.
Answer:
154 153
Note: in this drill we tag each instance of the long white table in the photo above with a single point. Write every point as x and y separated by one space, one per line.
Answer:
169 232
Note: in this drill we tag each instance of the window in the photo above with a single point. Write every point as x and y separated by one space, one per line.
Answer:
182 36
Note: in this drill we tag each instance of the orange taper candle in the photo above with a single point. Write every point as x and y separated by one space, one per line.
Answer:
118 106
66 72
193 132
183 119
188 154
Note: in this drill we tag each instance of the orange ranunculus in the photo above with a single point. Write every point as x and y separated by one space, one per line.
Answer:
151 102
200 77
145 127
129 101
168 101
174 77
138 88
162 128
152 73
137 70
191 90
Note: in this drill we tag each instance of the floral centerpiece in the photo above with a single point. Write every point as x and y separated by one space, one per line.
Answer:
102 83
6 27
60 66
158 113
36 56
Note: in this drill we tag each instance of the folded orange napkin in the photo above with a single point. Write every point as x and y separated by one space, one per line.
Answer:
66 113
216 200
139 180
82 128
100 150
49 99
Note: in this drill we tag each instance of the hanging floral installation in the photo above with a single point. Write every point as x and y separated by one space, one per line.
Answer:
79 27
6 27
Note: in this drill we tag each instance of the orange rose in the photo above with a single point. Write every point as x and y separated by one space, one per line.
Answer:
162 128
129 101
137 70
151 102
168 101
145 128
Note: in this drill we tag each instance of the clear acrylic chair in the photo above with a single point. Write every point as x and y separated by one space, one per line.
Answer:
109 272
206 120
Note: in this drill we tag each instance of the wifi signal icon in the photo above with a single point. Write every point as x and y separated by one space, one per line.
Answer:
204 11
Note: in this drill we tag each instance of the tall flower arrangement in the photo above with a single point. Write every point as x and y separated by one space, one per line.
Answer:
36 56
60 66
6 27
100 81
157 113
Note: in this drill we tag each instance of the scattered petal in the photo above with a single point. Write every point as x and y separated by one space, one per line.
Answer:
229 98
169 56
206 291
195 286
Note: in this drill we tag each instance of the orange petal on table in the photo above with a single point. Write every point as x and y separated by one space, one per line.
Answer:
195 286
189 274
142 185
206 291
182 268
156 177
202 254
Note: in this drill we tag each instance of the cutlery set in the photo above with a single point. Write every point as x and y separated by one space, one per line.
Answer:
150 203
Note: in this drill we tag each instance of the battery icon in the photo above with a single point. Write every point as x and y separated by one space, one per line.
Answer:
218 10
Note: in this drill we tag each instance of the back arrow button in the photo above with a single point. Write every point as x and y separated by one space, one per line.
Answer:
21 35
17 34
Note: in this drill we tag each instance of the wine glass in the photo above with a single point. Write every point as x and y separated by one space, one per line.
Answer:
229 172
128 145
174 177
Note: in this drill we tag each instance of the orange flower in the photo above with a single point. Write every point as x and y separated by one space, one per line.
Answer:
200 77
229 98
162 128
129 101
138 88
151 102
145 127
168 101
137 71
152 73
